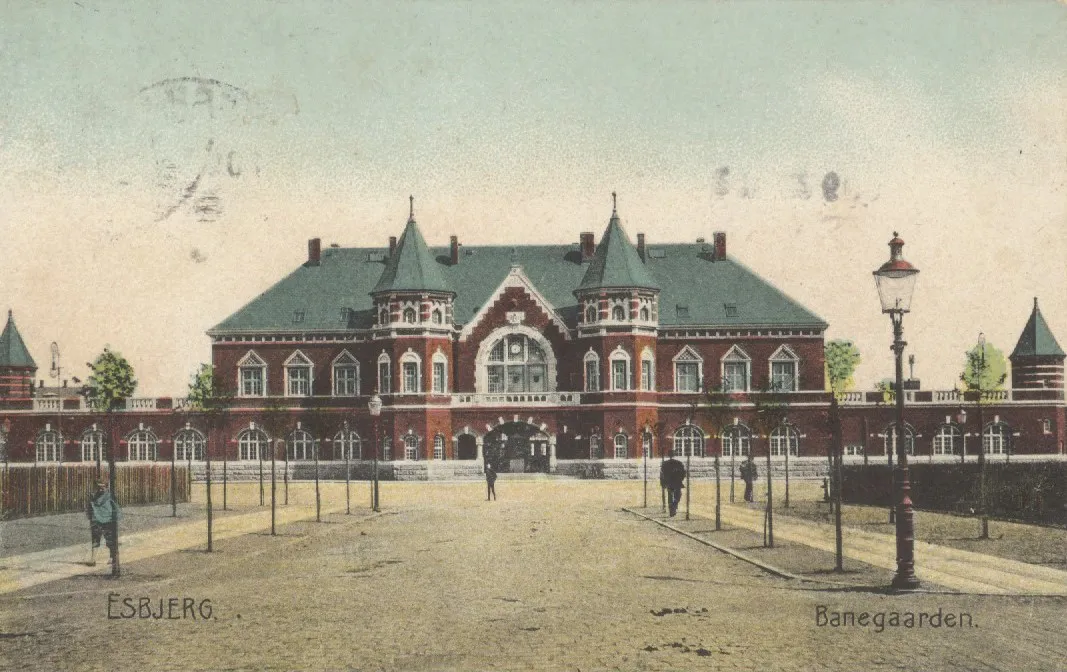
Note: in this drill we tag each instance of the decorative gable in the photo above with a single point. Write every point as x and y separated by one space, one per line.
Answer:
515 279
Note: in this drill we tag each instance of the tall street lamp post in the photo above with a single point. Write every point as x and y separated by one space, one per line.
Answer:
895 280
346 446
981 439
375 408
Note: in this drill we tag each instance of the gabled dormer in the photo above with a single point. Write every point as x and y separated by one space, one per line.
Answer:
617 289
412 293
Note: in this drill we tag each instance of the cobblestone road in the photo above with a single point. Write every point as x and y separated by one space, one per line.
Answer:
551 576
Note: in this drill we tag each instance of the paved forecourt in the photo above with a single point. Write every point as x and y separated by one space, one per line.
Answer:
553 575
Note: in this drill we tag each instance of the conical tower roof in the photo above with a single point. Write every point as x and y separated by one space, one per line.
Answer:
13 352
412 267
1037 339
616 263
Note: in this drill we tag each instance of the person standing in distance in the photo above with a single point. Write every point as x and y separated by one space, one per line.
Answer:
490 482
103 513
672 477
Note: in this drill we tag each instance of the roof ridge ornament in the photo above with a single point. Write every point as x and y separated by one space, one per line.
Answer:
411 209
614 204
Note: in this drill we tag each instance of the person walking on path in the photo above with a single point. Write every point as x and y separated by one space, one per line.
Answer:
103 513
749 473
490 482
672 477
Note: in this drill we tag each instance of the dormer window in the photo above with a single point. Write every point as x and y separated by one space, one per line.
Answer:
298 317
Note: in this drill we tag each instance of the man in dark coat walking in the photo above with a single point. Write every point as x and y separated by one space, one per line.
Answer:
103 513
672 477
490 482
749 473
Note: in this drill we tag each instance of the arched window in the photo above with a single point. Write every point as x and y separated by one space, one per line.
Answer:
596 450
592 372
618 313
948 440
440 373
648 371
646 444
252 375
996 438
410 316
890 437
345 375
387 449
590 314
785 436
298 375
736 441
47 445
517 363
385 374
300 445
688 370
620 369
411 447
644 315
436 317
141 446
92 445
439 447
383 316
621 447
348 445
251 444
410 373
689 440
736 372
189 445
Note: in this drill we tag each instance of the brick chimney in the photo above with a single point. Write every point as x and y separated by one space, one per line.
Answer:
587 245
314 251
720 245
641 245
392 246
453 250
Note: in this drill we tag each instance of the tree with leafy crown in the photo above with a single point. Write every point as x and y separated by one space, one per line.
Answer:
988 373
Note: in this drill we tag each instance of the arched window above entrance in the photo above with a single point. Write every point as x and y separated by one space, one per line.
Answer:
517 362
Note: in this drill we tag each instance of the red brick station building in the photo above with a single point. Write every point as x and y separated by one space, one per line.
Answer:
535 357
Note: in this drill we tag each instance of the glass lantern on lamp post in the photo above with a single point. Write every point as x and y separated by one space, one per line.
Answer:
895 280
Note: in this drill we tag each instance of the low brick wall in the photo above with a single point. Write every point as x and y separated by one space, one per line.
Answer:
360 470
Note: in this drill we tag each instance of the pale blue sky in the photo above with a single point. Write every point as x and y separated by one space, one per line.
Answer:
513 122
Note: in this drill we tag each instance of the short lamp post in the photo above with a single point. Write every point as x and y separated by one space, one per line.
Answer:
961 420
375 408
895 280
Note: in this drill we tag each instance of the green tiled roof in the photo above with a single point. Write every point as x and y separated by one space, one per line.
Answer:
13 352
616 262
1037 339
335 295
412 266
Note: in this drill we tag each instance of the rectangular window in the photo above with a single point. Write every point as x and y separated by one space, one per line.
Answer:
783 376
252 382
496 378
411 377
345 381
384 378
299 381
516 378
1046 426
646 375
592 376
853 450
735 377
686 377
535 377
439 377
619 377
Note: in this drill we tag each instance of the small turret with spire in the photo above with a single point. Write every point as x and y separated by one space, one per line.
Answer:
1037 361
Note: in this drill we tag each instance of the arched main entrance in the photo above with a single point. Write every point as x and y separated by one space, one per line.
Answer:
517 447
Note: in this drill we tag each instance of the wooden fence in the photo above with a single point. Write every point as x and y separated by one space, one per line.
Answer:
34 490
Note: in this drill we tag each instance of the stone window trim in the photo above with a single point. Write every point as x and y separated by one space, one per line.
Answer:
344 360
648 383
485 348
688 355
619 354
622 446
142 445
351 444
889 441
948 440
736 440
251 362
688 440
439 373
296 361
300 445
189 440
782 436
385 383
591 371
252 444
735 357
783 355
92 444
48 445
439 447
411 443
410 386
996 437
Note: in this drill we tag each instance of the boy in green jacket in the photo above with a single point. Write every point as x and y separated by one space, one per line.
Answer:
103 513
